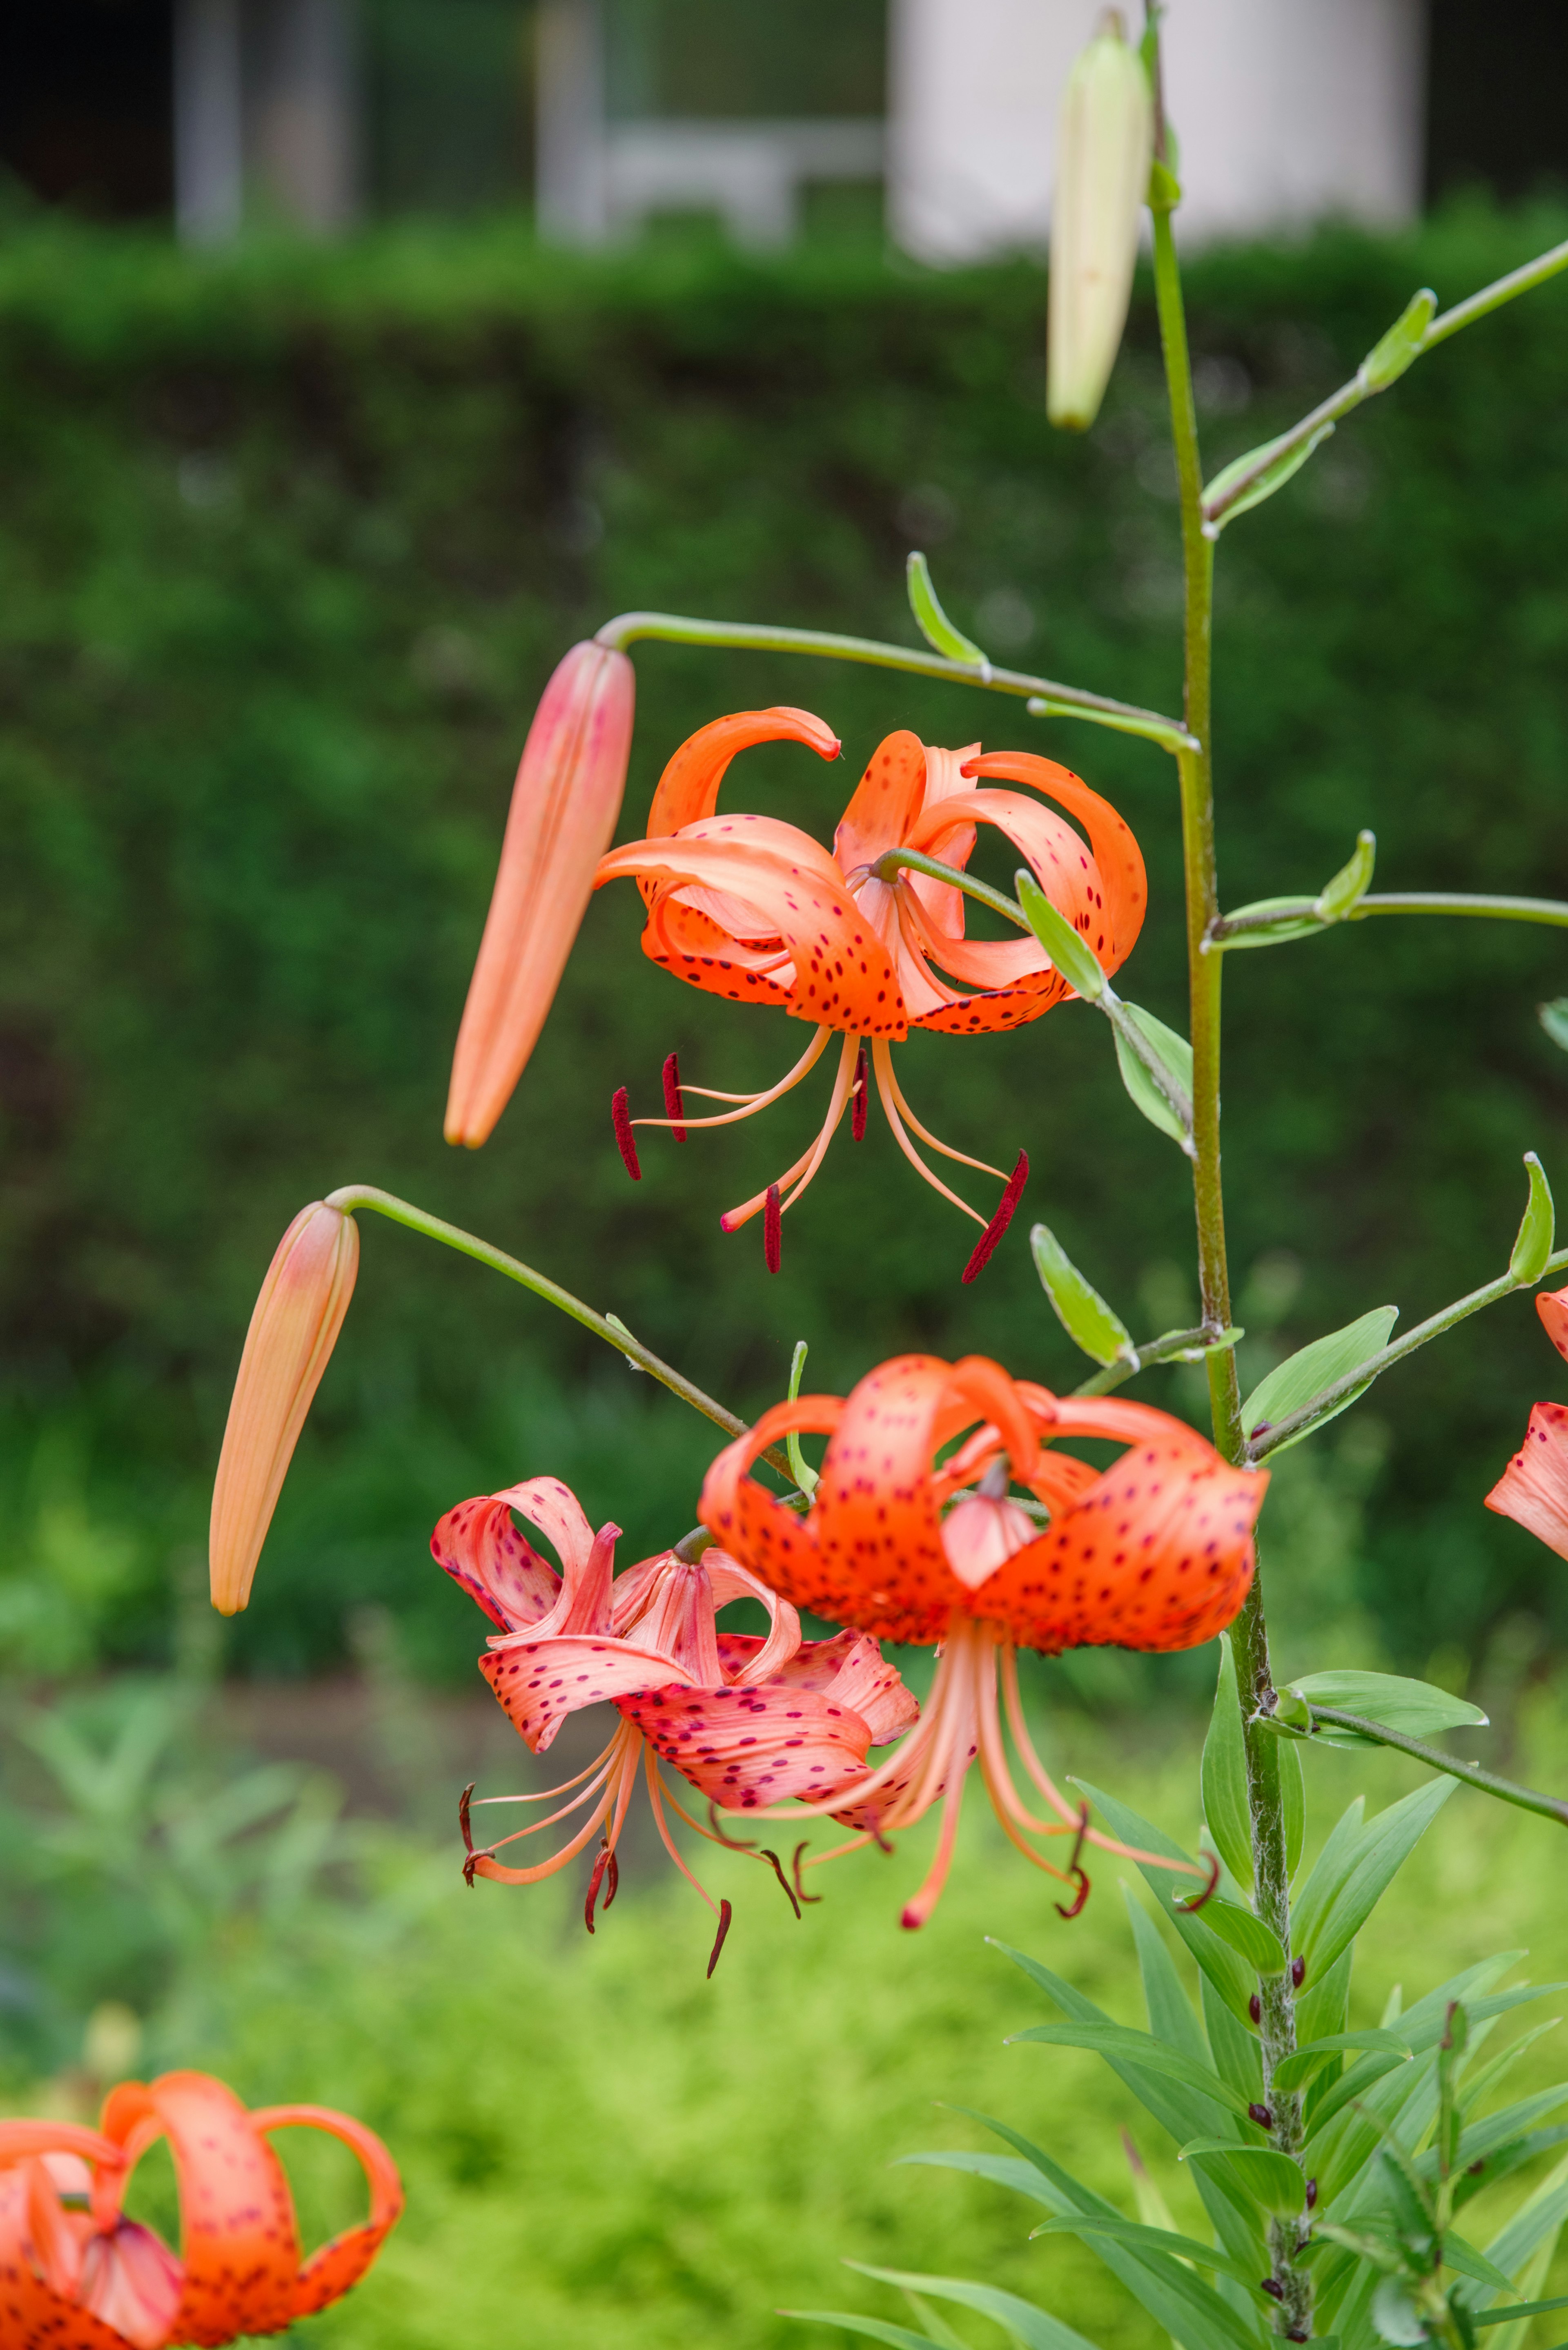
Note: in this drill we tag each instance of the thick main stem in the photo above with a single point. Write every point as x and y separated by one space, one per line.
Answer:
1271 1870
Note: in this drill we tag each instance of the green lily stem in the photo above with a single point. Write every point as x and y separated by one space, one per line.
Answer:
1350 395
1176 1346
1063 701
1265 1797
1524 1799
1403 901
1330 1399
888 866
603 1326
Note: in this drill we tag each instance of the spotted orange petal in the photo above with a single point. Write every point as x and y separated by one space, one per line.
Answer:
1552 1307
689 787
1533 1488
33 2315
1121 875
539 1682
745 1747
775 1542
329 2272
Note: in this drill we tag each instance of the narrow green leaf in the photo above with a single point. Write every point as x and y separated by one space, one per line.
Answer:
1275 2181
1295 925
1450 2060
1292 1793
1554 1018
1386 1843
1539 2219
1518 2308
1131 2231
1230 1974
1238 2057
1257 1943
946 2336
1083 1312
1328 1873
1139 2048
1067 948
1302 1378
1415 1707
804 1476
1224 1773
1467 2262
1339 897
1314 2053
1176 1053
1171 2014
1392 353
933 622
874 2329
1000 2170
1274 477
1537 1227
1034 2327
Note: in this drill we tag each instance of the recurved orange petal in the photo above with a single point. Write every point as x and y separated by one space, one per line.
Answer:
539 1682
1552 1307
878 1527
689 787
745 1747
887 800
1533 1488
331 2271
1122 879
33 2315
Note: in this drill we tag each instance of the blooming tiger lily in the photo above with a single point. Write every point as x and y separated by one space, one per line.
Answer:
748 1719
751 909
76 2275
1533 1488
908 1541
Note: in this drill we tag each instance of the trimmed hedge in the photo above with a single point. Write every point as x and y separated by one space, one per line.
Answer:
290 541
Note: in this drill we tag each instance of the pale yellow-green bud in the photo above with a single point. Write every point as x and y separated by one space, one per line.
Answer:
1106 148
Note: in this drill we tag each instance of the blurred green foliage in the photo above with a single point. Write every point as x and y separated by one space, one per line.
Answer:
600 2146
289 543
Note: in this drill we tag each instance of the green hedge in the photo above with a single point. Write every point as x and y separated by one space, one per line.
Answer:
290 542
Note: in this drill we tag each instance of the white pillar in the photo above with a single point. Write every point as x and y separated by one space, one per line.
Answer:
303 110
570 190
208 153
1285 112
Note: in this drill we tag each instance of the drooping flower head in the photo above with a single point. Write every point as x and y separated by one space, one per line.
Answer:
76 2274
1533 1488
750 1721
916 1534
564 803
757 911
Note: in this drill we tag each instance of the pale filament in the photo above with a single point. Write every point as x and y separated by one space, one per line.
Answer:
810 1159
752 1102
655 1798
882 1062
925 1135
1048 1787
616 1773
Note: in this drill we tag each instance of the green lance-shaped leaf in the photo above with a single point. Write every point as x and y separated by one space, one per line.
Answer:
1389 357
1274 475
1152 2240
1083 1312
1295 2071
1415 1707
1257 1943
1036 2328
1538 1226
1292 923
1119 2041
1342 895
933 622
1225 1773
1451 2057
1276 2183
1175 1053
1554 1018
1305 1375
1068 949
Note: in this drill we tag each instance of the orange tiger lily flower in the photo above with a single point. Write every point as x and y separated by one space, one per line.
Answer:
564 803
748 1720
76 2274
1533 1488
1155 1553
753 909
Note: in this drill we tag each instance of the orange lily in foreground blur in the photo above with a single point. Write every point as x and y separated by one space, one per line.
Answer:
748 1720
757 911
76 2275
909 1541
1533 1488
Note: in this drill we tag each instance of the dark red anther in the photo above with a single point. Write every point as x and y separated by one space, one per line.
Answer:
606 1871
1255 2008
725 1914
773 1234
984 1248
1082 1881
1298 1972
767 1853
1275 2291
624 1143
673 1105
857 1095
799 1892
1298 2334
1262 2116
463 1803
1311 2194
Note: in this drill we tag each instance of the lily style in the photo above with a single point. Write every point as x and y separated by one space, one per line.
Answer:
915 1535
748 1719
1533 1488
76 2274
863 950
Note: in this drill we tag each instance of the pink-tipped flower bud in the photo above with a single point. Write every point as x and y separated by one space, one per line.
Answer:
564 808
1106 150
292 1331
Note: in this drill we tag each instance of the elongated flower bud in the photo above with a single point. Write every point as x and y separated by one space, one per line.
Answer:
292 1331
564 803
1106 145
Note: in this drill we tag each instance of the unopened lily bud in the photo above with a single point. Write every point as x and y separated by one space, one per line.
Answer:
564 808
1106 148
292 1331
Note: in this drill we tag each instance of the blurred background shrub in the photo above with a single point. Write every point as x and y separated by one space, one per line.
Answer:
290 540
